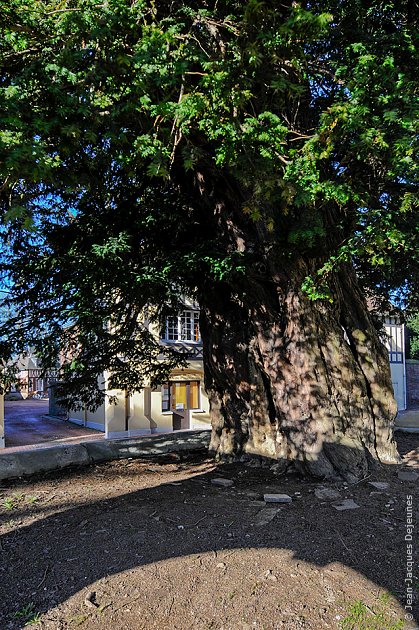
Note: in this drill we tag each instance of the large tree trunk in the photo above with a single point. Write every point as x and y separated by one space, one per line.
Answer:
297 380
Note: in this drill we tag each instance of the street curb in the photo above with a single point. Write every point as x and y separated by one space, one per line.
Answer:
25 463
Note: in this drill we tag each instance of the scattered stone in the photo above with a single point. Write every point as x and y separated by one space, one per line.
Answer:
251 493
408 475
88 600
278 469
253 463
223 483
221 565
265 516
277 498
326 494
380 485
268 575
180 527
258 504
346 504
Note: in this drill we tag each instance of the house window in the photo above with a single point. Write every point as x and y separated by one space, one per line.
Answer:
183 327
179 395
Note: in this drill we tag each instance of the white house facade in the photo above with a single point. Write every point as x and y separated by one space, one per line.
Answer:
182 402
179 404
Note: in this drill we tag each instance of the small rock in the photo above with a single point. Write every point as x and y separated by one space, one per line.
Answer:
268 575
88 600
326 493
253 463
277 498
346 504
277 468
380 485
407 475
223 483
221 565
265 516
180 527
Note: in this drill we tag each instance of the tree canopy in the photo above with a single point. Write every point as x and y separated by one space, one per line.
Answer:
413 336
124 123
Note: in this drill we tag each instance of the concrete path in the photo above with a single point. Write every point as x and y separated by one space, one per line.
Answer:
25 424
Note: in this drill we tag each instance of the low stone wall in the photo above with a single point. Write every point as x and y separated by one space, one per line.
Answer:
25 463
412 383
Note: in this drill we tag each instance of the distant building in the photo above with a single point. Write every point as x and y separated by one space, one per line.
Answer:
31 378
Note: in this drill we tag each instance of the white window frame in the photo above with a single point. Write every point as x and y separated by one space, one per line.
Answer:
182 327
394 340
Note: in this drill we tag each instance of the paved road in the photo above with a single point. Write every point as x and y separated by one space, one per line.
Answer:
24 425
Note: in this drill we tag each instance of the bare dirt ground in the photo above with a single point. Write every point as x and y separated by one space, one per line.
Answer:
153 544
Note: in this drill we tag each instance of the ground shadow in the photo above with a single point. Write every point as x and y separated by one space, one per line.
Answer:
177 520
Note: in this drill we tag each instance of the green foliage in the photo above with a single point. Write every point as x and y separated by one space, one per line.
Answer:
150 149
9 503
28 615
13 502
413 336
361 617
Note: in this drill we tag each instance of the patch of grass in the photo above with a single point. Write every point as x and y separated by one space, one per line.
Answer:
9 503
103 607
362 617
78 620
28 614
36 618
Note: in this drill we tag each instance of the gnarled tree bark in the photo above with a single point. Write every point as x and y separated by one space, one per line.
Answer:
296 380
